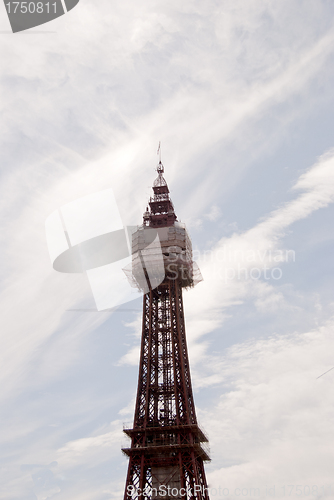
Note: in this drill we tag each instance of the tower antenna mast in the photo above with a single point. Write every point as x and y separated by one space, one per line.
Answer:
159 151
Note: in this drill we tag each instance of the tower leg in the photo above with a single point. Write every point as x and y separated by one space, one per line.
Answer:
166 454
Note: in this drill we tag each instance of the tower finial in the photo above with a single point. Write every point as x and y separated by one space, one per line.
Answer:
160 167
161 212
159 152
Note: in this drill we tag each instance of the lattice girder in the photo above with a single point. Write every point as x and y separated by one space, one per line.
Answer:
165 434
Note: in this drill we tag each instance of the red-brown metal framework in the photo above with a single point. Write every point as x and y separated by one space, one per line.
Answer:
167 445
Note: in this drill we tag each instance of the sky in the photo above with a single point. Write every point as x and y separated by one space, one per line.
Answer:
240 94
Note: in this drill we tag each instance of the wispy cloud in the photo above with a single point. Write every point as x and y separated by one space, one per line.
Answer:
98 448
227 268
84 110
273 407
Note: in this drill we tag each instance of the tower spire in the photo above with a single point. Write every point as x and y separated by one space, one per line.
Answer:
159 151
161 209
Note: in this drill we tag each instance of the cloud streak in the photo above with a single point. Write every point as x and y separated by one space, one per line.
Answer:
221 86
258 248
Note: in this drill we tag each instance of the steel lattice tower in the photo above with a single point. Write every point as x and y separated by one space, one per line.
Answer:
168 447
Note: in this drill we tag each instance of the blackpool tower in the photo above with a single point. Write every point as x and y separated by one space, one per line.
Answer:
168 448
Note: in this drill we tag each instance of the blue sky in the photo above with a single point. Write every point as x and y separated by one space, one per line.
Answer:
241 96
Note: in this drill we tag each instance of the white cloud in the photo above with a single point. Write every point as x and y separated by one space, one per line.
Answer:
82 109
131 357
274 419
95 448
229 268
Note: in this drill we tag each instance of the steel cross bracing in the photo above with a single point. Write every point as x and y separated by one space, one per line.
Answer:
166 441
168 447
